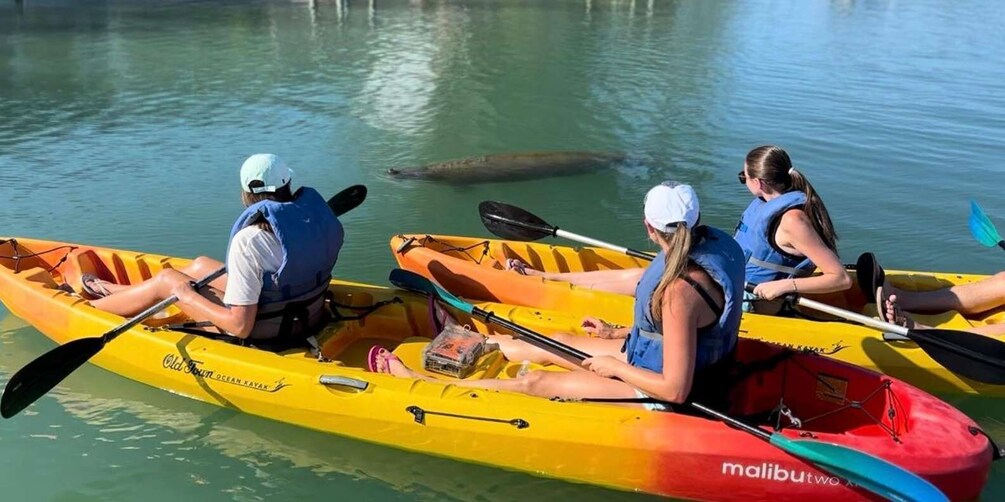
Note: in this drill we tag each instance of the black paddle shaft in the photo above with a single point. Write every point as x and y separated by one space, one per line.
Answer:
575 355
554 346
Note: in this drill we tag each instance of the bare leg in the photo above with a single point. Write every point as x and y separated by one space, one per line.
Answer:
619 281
519 350
897 316
521 267
203 266
547 384
110 287
133 300
967 299
196 270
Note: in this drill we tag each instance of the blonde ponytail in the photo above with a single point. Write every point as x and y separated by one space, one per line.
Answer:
679 242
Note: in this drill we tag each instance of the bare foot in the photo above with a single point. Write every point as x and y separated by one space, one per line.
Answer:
892 313
506 343
514 349
390 364
99 288
594 326
443 317
519 266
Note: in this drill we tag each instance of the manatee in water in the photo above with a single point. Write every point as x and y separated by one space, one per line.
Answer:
510 167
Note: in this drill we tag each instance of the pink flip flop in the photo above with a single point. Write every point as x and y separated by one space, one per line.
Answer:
374 355
371 358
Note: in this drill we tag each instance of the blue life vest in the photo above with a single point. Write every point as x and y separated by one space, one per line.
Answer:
765 262
311 237
721 257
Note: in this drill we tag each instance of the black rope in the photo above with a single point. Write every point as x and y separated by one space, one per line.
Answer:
420 417
184 325
336 315
18 256
333 307
445 248
641 400
892 399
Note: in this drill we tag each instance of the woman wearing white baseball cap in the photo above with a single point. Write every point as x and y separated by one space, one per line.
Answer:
785 232
687 317
279 261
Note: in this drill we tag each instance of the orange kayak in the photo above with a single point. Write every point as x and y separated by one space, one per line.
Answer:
474 268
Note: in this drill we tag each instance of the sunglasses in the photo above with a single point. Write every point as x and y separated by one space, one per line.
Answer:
742 176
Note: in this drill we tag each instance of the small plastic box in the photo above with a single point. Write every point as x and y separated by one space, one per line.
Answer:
453 352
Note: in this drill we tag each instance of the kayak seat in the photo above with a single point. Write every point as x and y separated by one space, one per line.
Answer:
410 353
85 261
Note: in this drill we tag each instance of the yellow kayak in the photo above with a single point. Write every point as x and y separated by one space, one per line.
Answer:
622 447
473 268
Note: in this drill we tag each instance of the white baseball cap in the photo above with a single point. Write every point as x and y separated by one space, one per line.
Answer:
670 203
267 168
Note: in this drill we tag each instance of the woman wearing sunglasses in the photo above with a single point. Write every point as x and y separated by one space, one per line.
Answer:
785 232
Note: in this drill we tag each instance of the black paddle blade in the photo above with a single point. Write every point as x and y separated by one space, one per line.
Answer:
347 199
45 372
513 223
973 356
410 281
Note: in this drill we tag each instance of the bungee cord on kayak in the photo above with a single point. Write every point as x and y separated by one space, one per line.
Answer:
446 247
891 420
17 256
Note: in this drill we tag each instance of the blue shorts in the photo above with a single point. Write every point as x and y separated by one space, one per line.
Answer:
748 301
751 303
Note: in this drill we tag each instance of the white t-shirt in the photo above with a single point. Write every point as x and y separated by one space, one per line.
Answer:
253 252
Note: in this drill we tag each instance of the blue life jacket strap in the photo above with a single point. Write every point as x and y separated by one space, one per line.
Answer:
795 272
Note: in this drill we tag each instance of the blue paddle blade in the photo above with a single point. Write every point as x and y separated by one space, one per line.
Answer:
981 227
415 282
871 473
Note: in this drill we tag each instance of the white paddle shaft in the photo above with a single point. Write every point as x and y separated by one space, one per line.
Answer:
852 316
601 244
890 328
589 241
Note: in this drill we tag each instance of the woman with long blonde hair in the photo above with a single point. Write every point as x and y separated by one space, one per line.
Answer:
687 316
